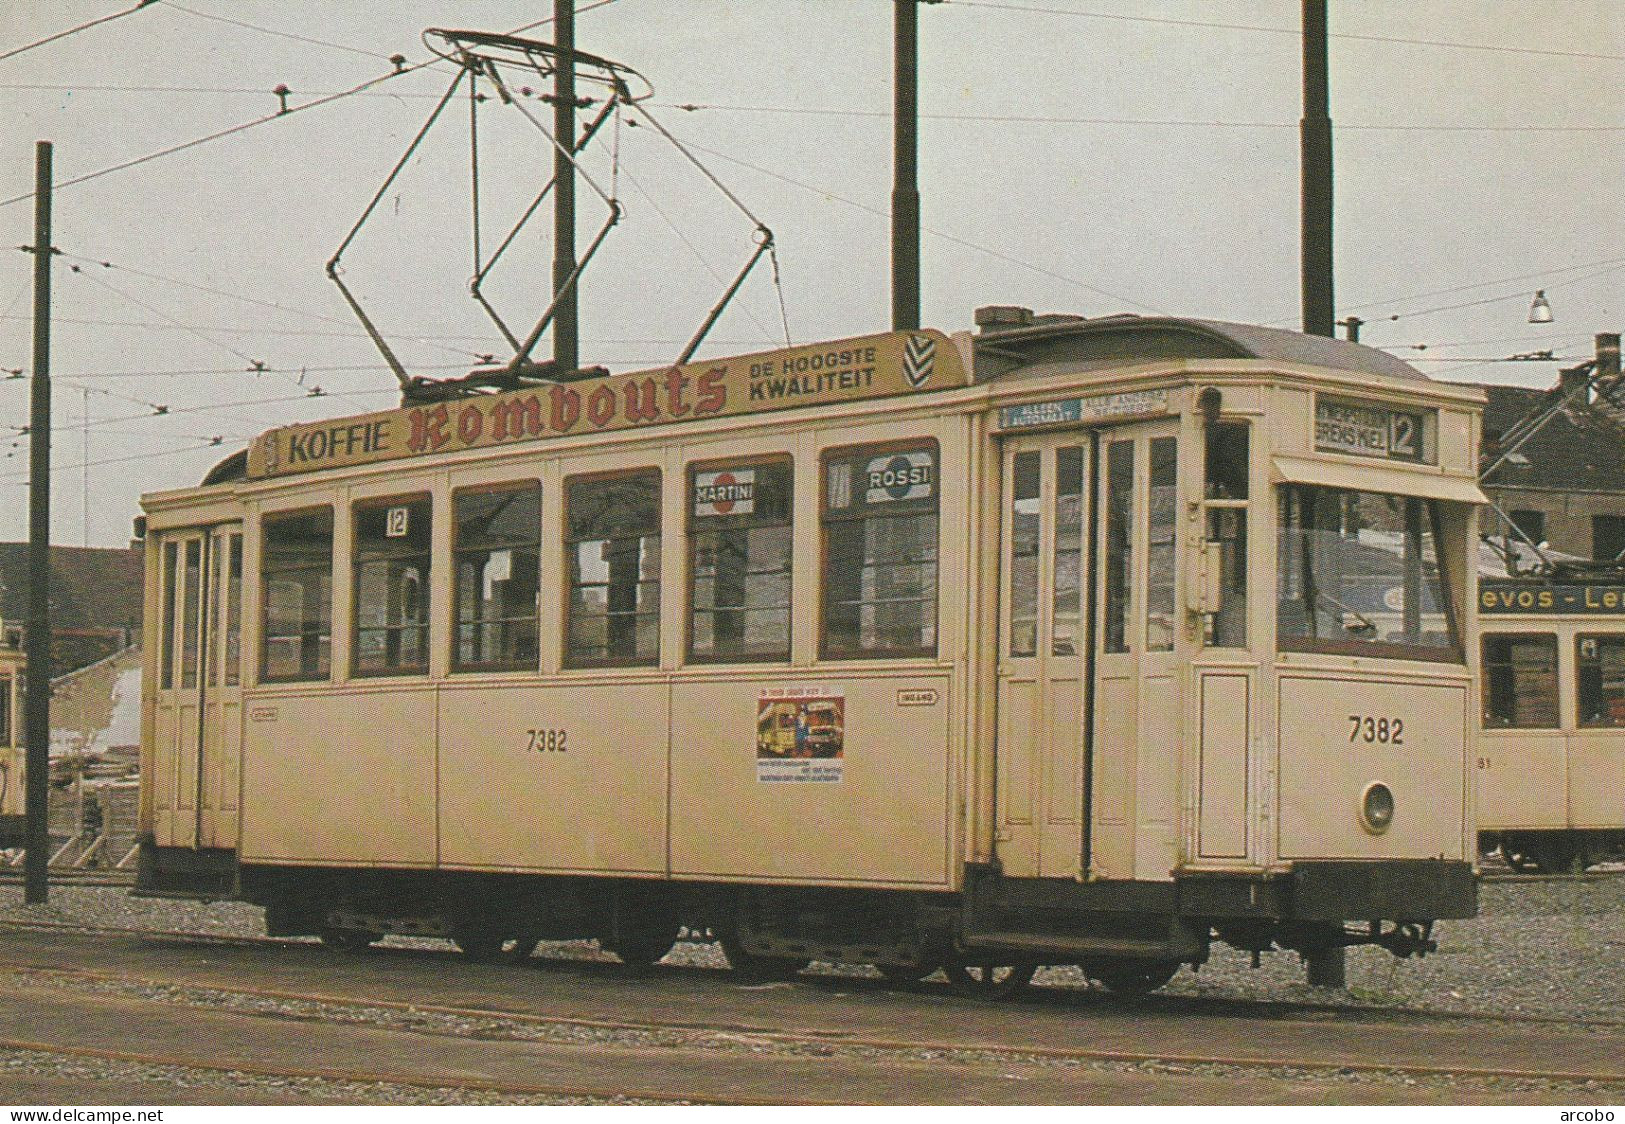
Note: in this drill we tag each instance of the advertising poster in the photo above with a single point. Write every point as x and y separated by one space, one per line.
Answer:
800 735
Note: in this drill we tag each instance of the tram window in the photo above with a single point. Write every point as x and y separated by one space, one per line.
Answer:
1520 681
1226 481
1024 548
191 606
1163 523
296 570
1358 574
880 552
1119 544
613 563
1066 624
739 562
392 553
234 611
225 619
171 564
1600 661
497 567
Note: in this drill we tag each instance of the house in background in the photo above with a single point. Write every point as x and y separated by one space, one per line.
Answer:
1565 486
95 601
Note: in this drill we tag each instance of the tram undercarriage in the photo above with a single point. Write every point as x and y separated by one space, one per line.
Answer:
989 938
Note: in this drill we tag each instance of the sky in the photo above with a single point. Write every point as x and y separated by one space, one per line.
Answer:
1083 156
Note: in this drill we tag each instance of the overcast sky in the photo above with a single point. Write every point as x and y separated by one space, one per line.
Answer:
1085 156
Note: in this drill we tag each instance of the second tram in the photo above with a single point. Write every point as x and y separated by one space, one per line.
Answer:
1551 756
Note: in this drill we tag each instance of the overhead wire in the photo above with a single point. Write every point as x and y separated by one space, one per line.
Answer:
935 233
272 31
1050 119
1208 25
425 340
401 67
14 52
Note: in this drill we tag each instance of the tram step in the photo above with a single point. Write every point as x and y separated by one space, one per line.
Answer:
1063 946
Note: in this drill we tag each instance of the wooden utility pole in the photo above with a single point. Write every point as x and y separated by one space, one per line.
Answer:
37 649
905 196
1315 131
565 348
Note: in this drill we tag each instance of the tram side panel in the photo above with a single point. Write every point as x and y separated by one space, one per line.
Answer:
837 779
340 778
1340 736
563 778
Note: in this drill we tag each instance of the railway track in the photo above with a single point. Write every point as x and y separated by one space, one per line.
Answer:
1274 1009
725 1040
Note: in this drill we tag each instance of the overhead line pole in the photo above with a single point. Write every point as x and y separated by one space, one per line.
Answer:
905 196
565 349
1315 131
37 648
1326 965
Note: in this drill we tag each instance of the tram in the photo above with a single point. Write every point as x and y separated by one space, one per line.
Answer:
13 747
1551 756
1070 641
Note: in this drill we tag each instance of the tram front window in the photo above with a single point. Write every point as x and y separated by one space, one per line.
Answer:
1359 575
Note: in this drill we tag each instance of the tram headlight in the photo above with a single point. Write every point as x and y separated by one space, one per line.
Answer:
1377 807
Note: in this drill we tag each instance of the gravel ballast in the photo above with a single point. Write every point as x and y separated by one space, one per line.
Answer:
1542 949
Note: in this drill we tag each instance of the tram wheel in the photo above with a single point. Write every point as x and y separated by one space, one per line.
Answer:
349 940
981 979
1130 977
1554 854
485 946
1519 860
640 948
750 966
907 973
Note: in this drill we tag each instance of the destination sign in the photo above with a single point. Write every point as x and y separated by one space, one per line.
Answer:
1363 429
1085 411
1510 598
878 366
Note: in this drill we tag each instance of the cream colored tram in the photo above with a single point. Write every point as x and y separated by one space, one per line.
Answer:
1073 641
13 747
1551 747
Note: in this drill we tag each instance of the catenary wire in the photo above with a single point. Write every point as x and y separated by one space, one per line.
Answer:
272 31
1207 25
15 51
403 67
1001 256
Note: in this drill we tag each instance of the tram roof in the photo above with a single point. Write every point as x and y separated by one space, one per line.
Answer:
900 363
1115 340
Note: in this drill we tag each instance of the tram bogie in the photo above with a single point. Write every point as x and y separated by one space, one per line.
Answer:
1084 642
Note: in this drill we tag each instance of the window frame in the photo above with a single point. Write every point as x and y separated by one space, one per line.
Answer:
826 651
415 670
1485 639
262 675
1615 638
567 585
1452 653
690 519
453 664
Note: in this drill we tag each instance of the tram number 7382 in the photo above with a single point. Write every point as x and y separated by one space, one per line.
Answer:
1379 731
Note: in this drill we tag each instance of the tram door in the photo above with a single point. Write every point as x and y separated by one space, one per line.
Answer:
1043 656
1135 752
197 725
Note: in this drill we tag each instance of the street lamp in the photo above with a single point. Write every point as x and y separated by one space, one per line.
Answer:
1540 311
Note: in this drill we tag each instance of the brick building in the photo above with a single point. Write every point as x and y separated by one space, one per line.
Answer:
1565 486
95 601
